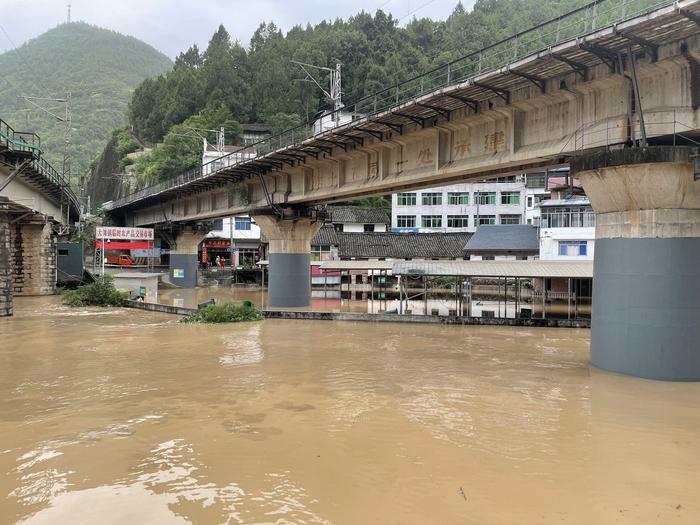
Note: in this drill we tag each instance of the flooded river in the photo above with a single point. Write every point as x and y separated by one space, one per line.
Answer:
121 416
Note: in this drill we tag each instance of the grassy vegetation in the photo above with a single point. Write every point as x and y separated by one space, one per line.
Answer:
226 313
100 293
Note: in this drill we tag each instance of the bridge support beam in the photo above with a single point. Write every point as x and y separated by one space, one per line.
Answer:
183 257
646 285
290 259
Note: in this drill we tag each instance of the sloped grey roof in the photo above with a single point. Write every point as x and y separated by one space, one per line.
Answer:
358 214
505 238
402 245
326 236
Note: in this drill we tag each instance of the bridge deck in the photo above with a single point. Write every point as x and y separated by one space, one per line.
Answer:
471 81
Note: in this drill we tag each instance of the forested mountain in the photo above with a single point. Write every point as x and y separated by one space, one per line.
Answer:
228 82
99 67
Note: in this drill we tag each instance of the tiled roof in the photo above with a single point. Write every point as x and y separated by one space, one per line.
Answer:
504 238
326 236
357 214
402 245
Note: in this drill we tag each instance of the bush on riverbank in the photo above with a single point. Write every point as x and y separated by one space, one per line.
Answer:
100 293
225 313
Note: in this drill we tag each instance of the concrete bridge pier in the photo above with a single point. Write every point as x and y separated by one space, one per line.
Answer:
27 259
5 270
290 259
183 257
646 286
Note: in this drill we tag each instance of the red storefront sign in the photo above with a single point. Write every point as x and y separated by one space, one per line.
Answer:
124 245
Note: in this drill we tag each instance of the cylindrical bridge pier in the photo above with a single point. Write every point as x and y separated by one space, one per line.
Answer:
289 254
646 284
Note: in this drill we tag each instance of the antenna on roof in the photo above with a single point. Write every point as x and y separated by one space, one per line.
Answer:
68 13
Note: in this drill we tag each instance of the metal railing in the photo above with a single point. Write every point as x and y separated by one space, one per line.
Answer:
574 24
29 142
617 131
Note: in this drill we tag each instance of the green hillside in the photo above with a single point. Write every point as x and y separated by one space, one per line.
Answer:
99 67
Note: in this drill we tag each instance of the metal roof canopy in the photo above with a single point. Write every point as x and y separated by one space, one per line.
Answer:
526 269
356 265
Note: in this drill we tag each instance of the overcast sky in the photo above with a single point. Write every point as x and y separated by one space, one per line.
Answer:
172 26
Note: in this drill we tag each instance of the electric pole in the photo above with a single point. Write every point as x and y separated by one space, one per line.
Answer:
68 127
335 91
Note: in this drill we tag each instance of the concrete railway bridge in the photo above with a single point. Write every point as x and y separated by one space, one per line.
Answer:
612 89
36 206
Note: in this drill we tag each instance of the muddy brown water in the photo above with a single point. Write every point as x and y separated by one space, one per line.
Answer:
121 416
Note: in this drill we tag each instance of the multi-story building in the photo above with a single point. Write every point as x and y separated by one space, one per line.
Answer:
567 229
460 207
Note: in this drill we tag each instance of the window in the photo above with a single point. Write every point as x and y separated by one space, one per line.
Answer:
457 198
480 220
510 197
242 223
431 221
573 248
369 228
338 227
529 201
567 217
510 219
405 221
321 252
406 199
534 180
485 197
431 199
457 221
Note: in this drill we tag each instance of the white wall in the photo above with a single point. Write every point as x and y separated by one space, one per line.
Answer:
354 227
550 237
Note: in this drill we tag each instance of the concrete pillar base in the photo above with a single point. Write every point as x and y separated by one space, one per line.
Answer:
290 260
646 279
183 258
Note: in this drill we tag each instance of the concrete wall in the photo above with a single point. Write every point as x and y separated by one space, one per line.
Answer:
550 237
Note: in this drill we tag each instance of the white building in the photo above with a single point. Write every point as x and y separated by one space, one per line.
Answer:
244 241
460 207
356 219
567 229
215 158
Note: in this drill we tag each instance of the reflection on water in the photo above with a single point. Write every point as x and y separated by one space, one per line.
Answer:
122 416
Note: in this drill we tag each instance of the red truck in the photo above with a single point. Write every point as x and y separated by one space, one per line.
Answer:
119 260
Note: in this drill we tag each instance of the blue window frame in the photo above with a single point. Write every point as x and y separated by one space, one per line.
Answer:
242 223
573 248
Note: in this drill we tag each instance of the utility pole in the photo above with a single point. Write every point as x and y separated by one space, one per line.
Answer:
335 89
68 126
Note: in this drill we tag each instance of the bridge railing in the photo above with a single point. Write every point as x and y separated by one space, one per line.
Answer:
29 142
577 23
616 130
